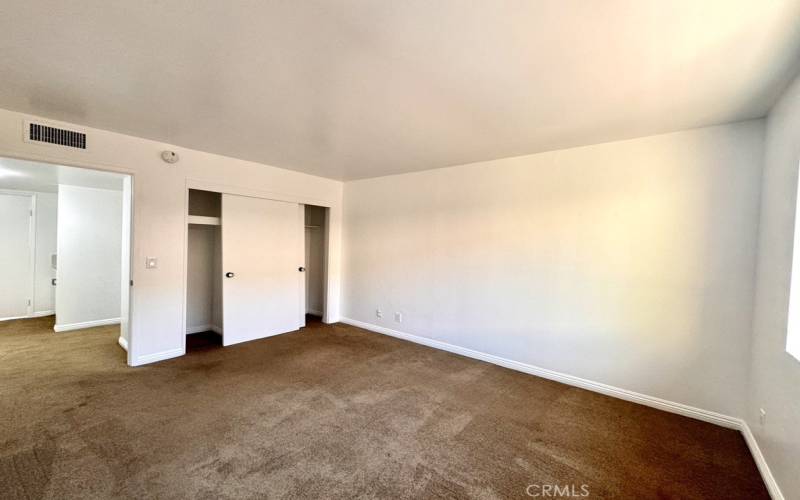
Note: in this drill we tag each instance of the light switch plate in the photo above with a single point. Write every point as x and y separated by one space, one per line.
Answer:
151 263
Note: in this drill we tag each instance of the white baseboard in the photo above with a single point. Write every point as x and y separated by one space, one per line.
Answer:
314 313
617 392
197 329
122 342
661 404
158 356
85 324
761 463
38 314
203 328
14 317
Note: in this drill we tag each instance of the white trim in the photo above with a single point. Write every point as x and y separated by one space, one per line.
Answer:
122 342
197 329
761 463
203 328
85 324
22 192
185 266
14 317
652 401
200 328
29 316
329 316
314 313
203 220
158 356
32 256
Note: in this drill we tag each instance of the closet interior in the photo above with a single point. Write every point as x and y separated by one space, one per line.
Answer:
204 269
315 243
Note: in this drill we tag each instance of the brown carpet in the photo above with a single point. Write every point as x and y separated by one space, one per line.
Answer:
331 412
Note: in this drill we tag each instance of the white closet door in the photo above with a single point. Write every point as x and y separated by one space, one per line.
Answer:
261 253
16 270
301 278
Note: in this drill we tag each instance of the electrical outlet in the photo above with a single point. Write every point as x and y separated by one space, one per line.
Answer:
151 263
762 416
378 313
398 316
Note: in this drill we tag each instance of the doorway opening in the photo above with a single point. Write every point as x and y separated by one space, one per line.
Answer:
65 258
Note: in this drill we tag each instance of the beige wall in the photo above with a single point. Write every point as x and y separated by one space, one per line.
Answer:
628 263
158 217
774 374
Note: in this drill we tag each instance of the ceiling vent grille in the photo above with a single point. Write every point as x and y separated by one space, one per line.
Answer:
51 135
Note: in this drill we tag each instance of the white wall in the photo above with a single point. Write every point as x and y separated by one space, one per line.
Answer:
629 263
89 255
201 278
46 217
774 374
158 218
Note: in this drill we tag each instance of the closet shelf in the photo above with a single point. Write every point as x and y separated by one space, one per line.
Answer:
208 221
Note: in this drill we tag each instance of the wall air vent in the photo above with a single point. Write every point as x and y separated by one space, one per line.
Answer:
62 137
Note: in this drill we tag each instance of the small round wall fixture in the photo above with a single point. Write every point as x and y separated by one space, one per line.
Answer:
170 156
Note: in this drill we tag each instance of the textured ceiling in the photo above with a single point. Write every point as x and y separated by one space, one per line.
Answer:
350 89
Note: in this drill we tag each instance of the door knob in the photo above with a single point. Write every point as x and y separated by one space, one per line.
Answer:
301 269
229 275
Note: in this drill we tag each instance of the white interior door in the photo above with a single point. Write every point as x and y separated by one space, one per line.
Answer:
261 254
16 268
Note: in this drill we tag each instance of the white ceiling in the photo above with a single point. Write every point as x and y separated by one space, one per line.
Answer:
359 88
44 177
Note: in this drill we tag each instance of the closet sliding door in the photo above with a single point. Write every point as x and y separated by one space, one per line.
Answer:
261 252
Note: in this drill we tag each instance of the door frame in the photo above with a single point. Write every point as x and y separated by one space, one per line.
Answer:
217 187
100 167
29 308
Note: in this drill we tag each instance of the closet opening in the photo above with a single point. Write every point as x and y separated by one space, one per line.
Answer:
255 267
316 244
204 271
